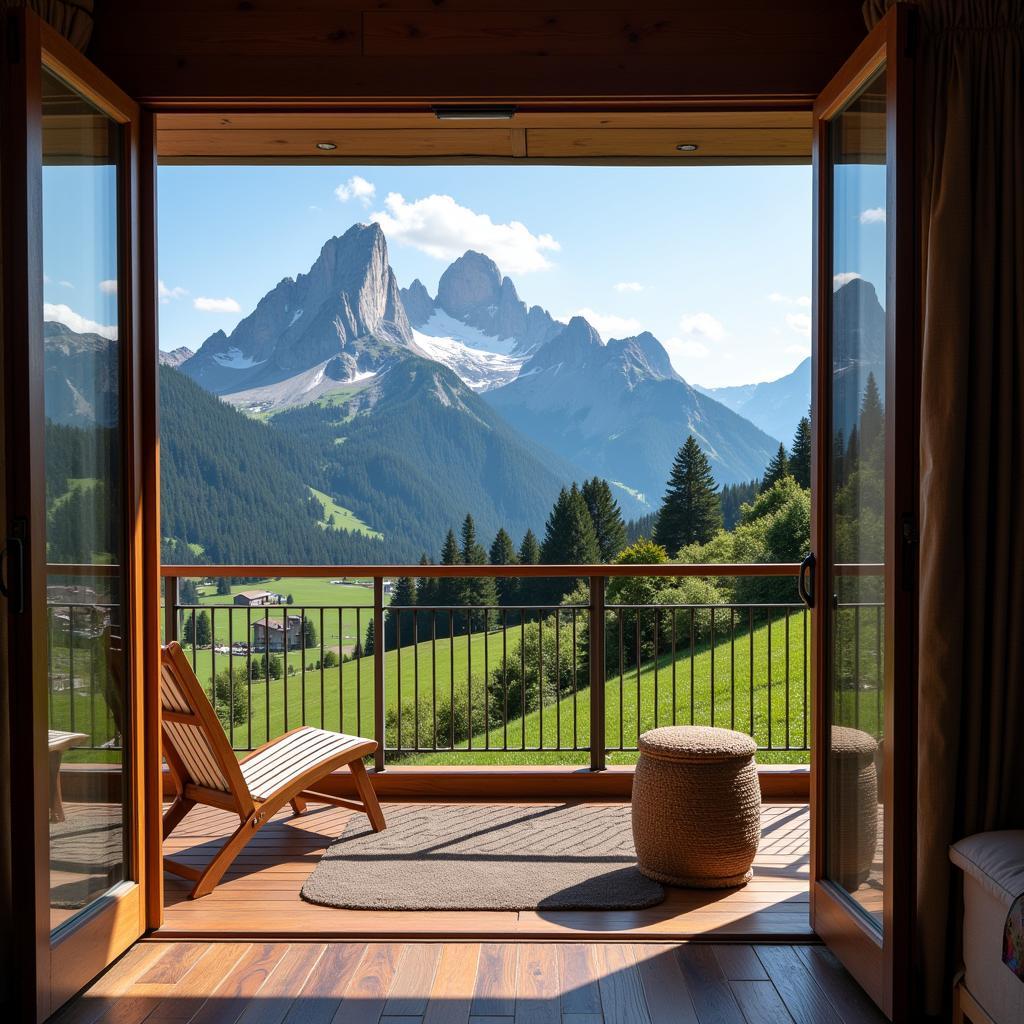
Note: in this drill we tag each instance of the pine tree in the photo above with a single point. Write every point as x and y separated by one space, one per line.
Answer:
475 590
449 589
398 630
528 589
839 459
368 643
529 549
223 586
800 456
204 636
188 629
851 460
309 637
872 417
426 586
569 537
777 469
503 552
690 512
606 516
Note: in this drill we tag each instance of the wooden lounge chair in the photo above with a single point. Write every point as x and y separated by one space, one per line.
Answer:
206 771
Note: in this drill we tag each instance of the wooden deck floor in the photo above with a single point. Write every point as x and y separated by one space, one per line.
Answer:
473 983
259 897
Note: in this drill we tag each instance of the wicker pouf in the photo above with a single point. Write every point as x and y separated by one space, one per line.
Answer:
696 806
853 798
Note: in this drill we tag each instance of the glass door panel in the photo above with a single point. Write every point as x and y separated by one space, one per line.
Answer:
857 507
86 531
865 514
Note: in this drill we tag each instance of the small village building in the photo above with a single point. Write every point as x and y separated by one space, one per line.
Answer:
272 632
257 598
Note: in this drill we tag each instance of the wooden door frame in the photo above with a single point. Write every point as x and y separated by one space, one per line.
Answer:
51 967
883 967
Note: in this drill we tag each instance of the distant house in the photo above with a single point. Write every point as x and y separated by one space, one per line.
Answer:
257 598
275 630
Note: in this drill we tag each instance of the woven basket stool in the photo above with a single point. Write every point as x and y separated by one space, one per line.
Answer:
853 795
696 806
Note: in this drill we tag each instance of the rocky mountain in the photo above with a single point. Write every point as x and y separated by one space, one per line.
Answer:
396 438
620 410
473 292
343 321
773 405
82 373
175 357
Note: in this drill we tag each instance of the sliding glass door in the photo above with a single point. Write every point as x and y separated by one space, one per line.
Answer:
864 516
73 513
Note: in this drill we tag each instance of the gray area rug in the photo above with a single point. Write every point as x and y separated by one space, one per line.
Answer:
485 857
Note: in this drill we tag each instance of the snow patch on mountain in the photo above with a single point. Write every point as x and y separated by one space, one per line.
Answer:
234 360
479 368
444 326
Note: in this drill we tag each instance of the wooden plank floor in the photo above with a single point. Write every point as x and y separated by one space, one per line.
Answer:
259 896
472 983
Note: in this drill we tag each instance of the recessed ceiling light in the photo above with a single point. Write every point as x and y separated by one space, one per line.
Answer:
687 147
326 146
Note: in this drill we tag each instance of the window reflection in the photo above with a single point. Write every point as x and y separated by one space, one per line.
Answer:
858 341
84 501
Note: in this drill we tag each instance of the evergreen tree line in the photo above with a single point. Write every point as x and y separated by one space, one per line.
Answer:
585 527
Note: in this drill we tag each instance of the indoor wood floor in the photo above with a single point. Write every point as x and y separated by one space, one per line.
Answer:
259 897
473 983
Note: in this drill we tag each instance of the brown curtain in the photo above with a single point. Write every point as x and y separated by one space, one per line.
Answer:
71 18
969 97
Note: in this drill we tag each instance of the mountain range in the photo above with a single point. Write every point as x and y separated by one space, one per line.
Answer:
412 410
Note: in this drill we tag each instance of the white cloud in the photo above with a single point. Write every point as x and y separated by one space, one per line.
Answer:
876 215
702 325
799 322
67 284
798 350
78 323
838 280
47 279
225 305
108 287
790 300
608 325
356 188
685 348
629 286
440 227
167 294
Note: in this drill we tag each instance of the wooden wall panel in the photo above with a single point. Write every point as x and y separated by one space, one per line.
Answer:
361 51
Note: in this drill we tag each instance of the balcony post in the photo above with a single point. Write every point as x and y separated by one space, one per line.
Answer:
170 608
596 659
378 671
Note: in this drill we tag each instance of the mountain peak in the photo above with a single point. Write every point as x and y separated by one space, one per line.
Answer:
418 303
347 307
646 355
471 282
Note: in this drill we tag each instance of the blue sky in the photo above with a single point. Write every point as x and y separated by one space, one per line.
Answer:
715 261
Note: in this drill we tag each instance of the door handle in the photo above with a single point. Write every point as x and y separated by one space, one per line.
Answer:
12 573
805 581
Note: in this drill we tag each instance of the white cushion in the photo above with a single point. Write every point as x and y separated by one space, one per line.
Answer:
995 860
